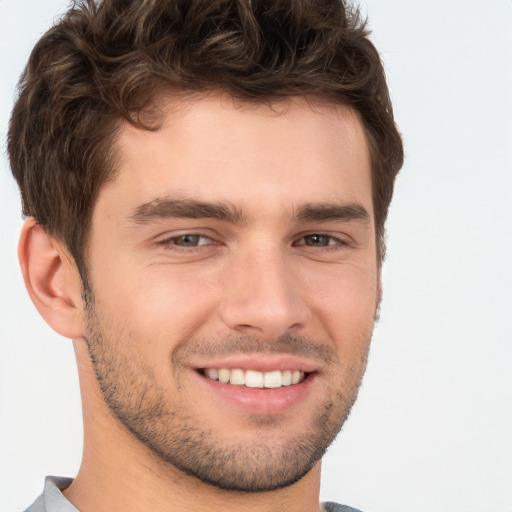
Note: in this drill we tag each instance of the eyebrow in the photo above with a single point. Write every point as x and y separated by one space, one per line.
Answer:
331 211
165 208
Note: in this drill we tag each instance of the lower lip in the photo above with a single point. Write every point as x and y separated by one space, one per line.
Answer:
266 401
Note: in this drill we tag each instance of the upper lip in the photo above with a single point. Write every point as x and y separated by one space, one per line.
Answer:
259 362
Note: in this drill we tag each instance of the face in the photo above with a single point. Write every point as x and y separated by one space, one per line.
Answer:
233 286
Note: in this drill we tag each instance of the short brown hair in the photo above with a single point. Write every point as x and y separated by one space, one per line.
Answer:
105 61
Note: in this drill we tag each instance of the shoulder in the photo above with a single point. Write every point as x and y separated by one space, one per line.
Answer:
336 507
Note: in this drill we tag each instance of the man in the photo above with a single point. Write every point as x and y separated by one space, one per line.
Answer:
206 185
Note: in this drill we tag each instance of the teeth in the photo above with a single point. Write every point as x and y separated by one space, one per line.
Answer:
224 376
213 373
237 377
286 378
255 379
272 379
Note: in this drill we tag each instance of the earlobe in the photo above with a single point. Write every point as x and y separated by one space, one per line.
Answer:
52 280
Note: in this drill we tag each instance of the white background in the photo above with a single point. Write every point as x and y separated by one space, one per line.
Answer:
432 431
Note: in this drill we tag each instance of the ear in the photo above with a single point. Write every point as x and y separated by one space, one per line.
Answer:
52 280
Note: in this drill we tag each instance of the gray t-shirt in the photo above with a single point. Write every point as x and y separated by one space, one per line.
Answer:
52 499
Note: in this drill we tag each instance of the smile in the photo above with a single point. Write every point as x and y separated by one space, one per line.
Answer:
255 379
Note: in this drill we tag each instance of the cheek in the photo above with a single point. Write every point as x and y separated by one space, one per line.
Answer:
159 302
345 303
147 317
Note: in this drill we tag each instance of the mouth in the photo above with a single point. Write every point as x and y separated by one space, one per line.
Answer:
261 388
261 384
255 379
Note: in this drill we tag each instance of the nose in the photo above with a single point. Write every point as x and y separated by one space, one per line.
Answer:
262 297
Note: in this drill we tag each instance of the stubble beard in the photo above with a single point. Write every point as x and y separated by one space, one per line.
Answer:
176 437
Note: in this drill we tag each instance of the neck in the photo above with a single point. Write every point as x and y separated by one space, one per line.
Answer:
120 474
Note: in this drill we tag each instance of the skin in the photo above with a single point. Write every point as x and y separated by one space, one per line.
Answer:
280 280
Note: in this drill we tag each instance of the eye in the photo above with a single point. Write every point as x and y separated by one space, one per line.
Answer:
319 240
186 240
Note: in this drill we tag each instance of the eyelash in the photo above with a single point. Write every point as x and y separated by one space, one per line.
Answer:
333 243
338 242
170 242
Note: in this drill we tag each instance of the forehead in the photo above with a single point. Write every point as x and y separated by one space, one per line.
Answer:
216 148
